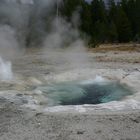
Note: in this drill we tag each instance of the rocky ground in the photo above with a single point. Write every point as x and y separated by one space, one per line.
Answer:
18 123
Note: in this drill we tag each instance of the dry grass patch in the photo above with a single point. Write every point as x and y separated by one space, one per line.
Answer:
117 47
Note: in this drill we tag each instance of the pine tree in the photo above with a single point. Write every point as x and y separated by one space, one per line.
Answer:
99 21
137 17
98 11
100 31
112 12
130 9
123 26
70 6
112 32
86 18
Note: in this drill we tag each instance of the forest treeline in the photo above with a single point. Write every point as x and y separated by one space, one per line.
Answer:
97 22
114 22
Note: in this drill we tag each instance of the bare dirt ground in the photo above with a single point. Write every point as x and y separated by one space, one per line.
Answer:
20 125
17 123
117 55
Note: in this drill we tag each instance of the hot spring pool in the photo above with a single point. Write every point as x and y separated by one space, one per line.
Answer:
79 93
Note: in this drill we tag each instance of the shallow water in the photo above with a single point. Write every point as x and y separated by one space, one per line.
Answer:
74 93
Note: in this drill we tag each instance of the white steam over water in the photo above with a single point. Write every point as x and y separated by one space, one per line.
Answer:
98 80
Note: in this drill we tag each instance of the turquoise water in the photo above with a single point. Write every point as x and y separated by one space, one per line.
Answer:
72 93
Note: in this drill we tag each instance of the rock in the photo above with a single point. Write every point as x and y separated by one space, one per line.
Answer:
80 132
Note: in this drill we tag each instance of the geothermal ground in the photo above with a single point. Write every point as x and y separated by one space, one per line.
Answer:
26 115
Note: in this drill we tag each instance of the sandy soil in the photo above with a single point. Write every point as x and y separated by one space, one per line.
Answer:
18 123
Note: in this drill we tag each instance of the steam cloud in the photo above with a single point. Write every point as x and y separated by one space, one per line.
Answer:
35 23
65 38
5 70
